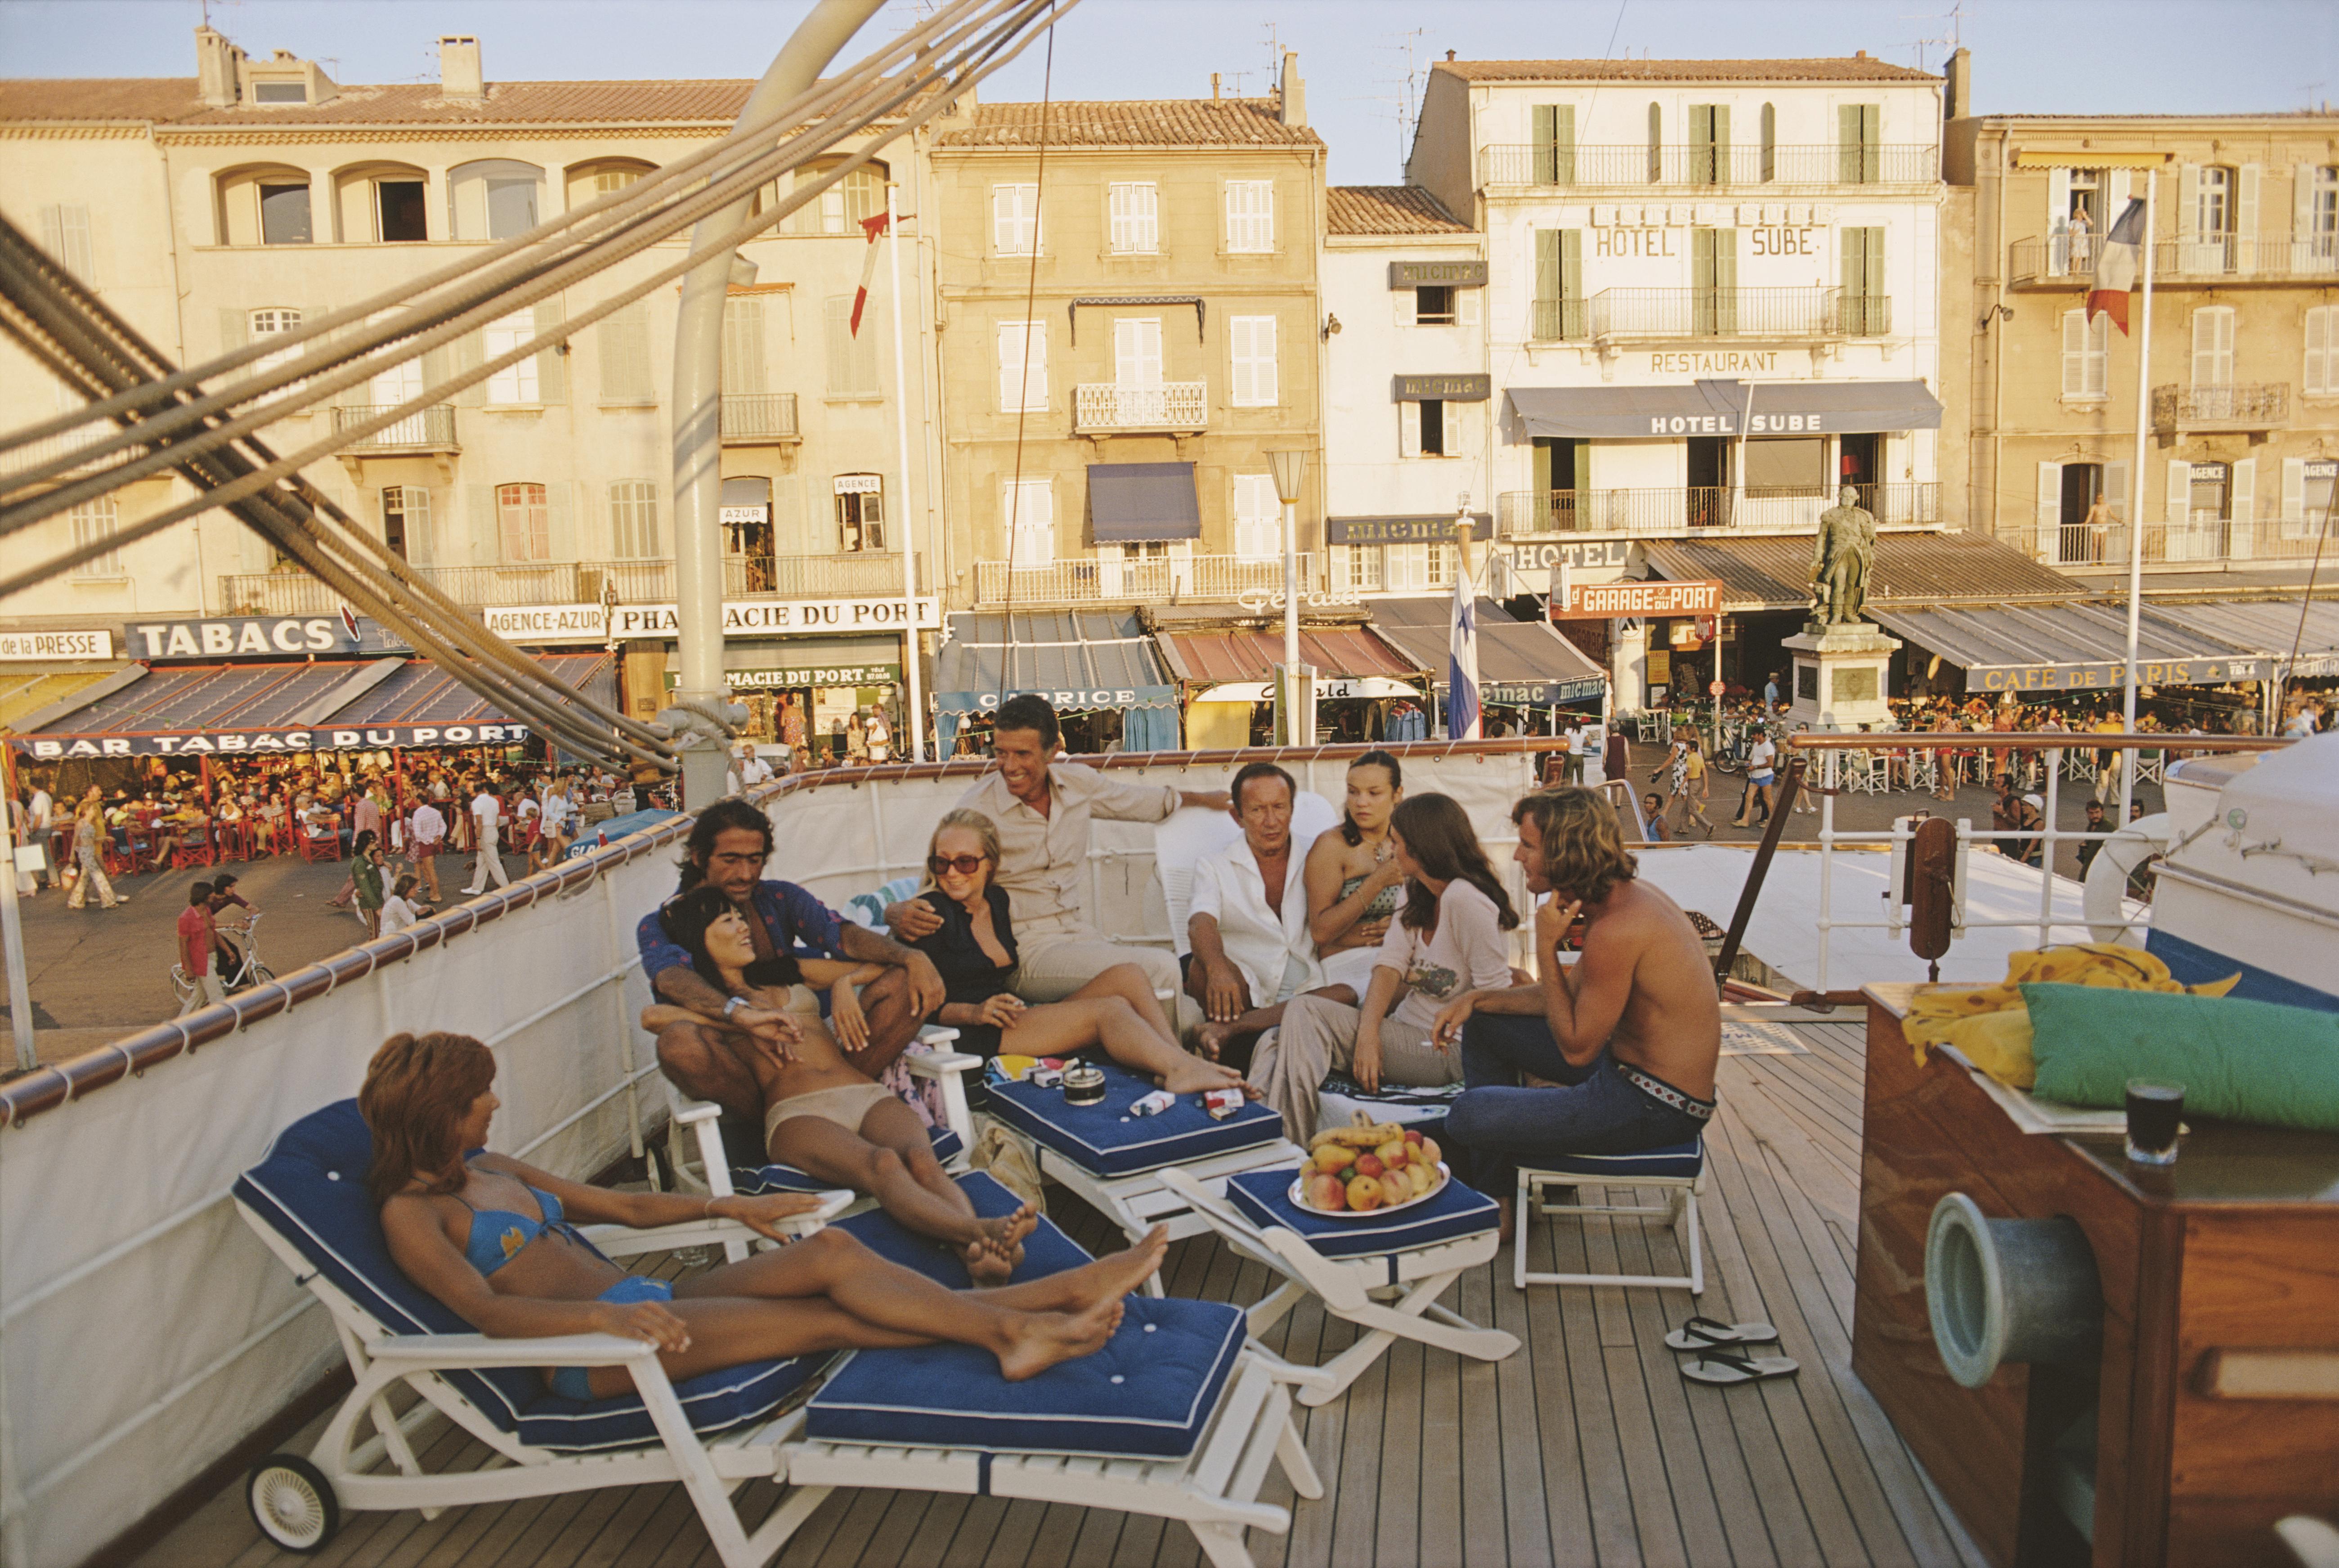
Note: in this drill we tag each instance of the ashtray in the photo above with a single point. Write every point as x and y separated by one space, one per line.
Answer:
1083 1085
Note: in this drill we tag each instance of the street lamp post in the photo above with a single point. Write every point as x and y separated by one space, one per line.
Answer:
1295 718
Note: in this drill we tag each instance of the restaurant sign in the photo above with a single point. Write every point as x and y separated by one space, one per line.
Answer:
75 643
258 637
540 625
1615 601
273 741
2104 675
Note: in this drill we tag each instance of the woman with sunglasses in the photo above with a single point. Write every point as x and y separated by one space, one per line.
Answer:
820 1114
975 952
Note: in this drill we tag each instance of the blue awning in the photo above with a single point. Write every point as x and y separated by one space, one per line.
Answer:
1142 503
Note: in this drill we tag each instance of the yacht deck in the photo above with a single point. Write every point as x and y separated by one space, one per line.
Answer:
1585 1447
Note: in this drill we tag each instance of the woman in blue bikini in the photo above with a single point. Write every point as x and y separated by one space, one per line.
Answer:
497 1242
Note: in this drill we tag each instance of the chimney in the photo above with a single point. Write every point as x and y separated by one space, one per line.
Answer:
1957 91
216 76
1294 95
459 74
1214 86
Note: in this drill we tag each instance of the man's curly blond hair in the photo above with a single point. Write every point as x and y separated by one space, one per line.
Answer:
1584 853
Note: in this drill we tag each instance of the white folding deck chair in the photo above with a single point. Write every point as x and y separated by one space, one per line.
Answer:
1175 1417
1384 1274
1678 1172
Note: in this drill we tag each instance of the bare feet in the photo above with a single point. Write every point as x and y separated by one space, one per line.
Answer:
1038 1340
1211 1039
1118 1274
994 1255
1195 1076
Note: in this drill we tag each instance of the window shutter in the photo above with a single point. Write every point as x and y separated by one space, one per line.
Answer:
1408 430
1872 279
2318 377
1562 142
2204 346
2180 492
1011 366
1720 133
1846 142
1546 136
2294 489
1467 307
836 321
480 525
2189 200
2302 211
1547 263
66 235
2115 490
2059 222
2099 356
1656 143
1032 359
2050 508
745 364
1266 381
2116 196
2246 218
556 542
2074 354
623 342
551 364
1769 169
1571 272
2242 502
1402 303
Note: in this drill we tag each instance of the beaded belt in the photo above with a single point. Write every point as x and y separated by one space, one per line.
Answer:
1664 1093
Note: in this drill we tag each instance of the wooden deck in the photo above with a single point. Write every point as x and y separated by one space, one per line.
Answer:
1585 1447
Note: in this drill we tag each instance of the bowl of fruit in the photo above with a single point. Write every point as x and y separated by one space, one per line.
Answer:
1367 1168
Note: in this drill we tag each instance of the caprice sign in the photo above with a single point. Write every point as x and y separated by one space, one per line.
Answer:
538 625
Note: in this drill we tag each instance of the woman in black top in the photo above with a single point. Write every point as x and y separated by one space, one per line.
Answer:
975 952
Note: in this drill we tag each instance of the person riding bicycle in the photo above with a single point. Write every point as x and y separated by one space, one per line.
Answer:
223 894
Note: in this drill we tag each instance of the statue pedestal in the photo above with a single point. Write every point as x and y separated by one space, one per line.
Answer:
1841 676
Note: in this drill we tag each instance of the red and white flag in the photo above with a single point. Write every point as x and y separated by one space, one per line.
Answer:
2116 267
873 226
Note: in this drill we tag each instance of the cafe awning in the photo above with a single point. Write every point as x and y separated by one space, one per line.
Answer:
25 690
422 695
2269 626
1718 408
779 663
1773 571
1142 503
2073 646
1208 658
1520 663
1080 660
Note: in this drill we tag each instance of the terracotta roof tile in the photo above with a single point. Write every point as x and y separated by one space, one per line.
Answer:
33 99
1769 571
1857 68
1127 122
1387 210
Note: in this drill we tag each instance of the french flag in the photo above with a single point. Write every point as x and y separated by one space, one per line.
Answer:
2116 267
873 226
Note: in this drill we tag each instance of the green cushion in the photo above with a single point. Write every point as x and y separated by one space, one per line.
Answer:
2238 1060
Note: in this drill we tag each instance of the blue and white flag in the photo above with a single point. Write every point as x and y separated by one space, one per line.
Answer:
1462 662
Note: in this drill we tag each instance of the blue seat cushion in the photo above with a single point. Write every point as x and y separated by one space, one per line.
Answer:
311 1190
1264 1198
1675 1160
1047 1250
1105 1140
1148 1394
788 1179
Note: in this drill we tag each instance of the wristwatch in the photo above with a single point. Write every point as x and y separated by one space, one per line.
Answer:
734 1005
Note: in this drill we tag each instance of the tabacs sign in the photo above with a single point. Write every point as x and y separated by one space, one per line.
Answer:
274 741
258 637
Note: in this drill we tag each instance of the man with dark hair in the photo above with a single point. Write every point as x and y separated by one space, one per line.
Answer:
1617 1052
196 938
1253 950
1042 809
728 846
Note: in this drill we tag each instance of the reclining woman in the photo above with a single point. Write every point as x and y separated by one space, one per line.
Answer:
1447 937
495 1241
975 952
1354 880
820 1114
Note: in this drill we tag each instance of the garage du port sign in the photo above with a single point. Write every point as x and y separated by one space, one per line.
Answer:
1637 601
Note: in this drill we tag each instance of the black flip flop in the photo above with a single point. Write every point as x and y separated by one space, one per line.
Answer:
1705 1332
1724 1367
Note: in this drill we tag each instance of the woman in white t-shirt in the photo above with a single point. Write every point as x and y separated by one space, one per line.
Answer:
400 910
1446 939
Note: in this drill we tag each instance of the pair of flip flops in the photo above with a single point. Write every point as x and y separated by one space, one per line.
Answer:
1720 1359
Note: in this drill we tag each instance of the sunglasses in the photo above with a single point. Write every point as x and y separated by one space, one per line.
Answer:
964 864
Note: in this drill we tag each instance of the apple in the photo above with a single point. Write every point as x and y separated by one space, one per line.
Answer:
1393 1152
1334 1157
1413 1135
1325 1192
1364 1192
1431 1154
1370 1165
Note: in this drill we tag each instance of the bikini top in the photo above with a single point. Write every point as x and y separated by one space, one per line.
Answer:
1384 902
498 1235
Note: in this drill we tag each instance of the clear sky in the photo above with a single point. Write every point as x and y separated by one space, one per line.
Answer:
2030 56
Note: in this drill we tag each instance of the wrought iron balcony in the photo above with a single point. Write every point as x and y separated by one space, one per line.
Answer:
871 575
1780 313
1735 167
759 418
1171 406
430 430
2070 259
2259 406
1658 510
1152 579
2201 536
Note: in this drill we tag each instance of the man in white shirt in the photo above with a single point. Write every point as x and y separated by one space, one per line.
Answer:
1042 809
486 813
40 820
752 769
1247 923
428 836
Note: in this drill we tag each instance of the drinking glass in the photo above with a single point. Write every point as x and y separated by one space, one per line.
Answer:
2154 1111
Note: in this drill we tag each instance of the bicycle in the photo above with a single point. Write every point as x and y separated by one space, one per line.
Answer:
250 970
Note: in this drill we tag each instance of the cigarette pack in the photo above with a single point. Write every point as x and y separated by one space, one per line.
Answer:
1045 1077
1153 1104
1222 1103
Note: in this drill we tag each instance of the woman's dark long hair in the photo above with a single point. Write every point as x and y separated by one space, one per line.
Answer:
1375 758
418 1088
1438 837
686 917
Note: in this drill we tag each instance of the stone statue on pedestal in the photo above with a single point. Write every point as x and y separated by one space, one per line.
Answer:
1842 557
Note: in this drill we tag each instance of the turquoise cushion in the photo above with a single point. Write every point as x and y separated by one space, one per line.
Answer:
2253 1061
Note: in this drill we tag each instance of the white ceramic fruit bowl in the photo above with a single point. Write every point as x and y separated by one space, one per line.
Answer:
1299 1199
